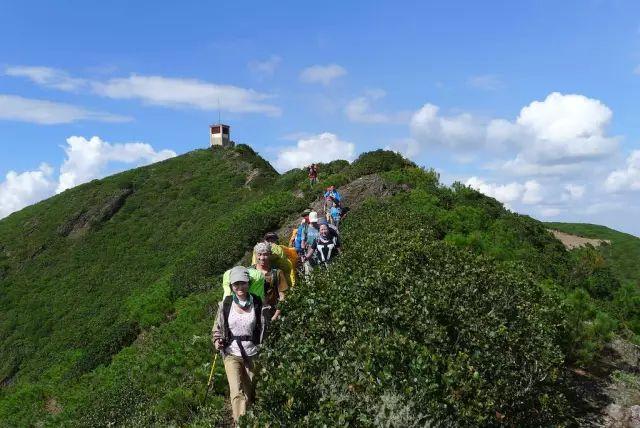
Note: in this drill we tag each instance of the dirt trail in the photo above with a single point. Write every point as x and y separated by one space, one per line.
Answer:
354 194
574 241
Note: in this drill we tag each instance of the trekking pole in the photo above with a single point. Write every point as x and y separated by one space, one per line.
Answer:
213 368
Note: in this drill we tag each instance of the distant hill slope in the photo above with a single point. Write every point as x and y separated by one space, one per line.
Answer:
444 302
623 254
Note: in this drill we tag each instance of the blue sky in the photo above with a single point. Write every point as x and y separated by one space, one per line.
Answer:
533 103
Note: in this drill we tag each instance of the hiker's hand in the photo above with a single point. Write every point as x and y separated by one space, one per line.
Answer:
219 344
276 315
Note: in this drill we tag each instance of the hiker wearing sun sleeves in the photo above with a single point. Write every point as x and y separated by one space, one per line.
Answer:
238 333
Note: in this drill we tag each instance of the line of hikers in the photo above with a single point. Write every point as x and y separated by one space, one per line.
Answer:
252 294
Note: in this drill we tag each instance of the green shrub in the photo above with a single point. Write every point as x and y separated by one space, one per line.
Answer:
405 323
376 162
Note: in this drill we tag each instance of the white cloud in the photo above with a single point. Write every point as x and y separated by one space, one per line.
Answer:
266 67
88 159
550 137
176 92
324 147
85 160
44 112
566 127
19 190
532 193
48 77
324 74
573 191
627 178
408 147
529 193
430 128
486 82
551 212
158 90
360 110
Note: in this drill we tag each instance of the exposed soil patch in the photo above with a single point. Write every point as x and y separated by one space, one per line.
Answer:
252 176
52 406
607 394
574 241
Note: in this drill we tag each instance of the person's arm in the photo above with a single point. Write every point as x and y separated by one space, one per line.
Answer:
282 287
310 251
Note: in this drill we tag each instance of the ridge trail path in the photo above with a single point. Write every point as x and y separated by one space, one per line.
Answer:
355 193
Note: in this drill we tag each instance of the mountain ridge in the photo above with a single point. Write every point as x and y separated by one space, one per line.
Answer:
105 312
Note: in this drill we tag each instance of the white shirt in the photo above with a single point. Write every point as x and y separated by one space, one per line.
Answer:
242 324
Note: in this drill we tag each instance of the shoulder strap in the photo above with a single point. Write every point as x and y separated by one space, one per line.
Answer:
226 309
257 331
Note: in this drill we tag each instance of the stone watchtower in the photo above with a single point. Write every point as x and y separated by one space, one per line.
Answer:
219 135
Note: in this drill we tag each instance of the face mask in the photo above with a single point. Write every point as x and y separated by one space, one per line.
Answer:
243 304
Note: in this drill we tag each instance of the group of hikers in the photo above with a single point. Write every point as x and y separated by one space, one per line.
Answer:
252 294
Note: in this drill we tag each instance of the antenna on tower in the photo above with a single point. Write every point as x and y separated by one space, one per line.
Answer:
219 120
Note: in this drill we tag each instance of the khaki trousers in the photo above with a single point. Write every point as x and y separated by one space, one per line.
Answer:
241 384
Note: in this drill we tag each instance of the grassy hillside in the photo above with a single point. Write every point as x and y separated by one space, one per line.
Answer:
623 254
444 302
85 272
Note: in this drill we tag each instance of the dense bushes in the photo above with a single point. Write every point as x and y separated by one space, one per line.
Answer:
418 326
376 162
434 314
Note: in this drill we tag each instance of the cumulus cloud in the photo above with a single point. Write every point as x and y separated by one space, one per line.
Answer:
324 74
431 128
324 147
48 77
21 189
360 110
529 193
485 82
566 127
88 159
267 67
85 160
548 137
44 112
193 93
626 178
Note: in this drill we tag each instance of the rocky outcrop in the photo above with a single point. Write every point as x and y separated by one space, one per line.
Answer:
83 220
354 194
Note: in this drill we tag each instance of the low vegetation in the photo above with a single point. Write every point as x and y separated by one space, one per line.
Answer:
446 308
